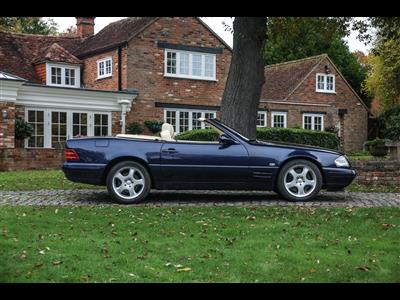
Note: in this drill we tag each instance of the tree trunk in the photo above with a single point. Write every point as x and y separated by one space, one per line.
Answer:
246 76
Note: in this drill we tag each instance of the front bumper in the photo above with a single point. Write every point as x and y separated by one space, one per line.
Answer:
338 178
84 172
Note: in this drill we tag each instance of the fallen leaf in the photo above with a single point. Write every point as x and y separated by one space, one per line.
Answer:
178 266
57 262
364 268
385 225
168 264
312 270
251 218
184 270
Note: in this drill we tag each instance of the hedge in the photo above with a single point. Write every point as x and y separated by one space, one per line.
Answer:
289 135
199 135
299 136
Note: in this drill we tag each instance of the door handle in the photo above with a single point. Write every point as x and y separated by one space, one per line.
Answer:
170 150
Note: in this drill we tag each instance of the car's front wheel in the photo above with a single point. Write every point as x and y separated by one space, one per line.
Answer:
128 182
299 180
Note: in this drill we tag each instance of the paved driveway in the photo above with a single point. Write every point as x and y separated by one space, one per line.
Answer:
199 198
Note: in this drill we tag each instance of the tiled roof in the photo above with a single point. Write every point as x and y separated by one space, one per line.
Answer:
114 34
282 79
18 51
56 53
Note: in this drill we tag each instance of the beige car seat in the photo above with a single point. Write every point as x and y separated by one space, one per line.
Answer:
167 132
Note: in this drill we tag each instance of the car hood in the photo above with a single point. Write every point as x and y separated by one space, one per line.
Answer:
295 146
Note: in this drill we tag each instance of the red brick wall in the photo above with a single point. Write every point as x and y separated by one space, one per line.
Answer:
7 125
145 63
110 83
377 172
30 159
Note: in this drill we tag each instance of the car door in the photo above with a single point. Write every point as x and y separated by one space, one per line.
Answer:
212 165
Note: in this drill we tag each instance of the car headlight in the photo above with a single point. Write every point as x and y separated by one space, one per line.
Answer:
342 161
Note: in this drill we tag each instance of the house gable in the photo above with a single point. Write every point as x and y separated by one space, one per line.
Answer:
344 96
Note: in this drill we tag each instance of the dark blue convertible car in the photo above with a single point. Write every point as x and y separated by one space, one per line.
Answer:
131 165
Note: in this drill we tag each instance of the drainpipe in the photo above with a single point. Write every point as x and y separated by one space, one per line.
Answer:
119 68
126 107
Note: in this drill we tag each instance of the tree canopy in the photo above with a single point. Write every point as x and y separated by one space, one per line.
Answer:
293 38
33 25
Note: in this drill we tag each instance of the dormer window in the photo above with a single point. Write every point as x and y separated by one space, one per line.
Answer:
325 83
104 68
62 75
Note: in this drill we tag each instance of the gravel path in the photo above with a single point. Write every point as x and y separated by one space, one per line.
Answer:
198 198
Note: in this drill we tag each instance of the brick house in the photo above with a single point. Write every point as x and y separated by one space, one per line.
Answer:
137 69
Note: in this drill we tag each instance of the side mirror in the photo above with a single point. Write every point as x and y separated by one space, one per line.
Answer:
226 140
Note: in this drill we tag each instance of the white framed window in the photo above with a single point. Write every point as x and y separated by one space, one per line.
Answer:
101 125
187 119
58 127
104 67
62 75
279 119
52 126
187 64
313 121
262 119
325 83
36 119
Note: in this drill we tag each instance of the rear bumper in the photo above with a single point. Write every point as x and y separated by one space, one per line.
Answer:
338 178
84 172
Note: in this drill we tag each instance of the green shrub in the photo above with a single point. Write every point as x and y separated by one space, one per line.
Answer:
153 125
376 143
299 136
377 147
23 129
134 128
289 135
199 135
389 123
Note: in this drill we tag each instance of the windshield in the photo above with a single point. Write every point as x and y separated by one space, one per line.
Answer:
231 130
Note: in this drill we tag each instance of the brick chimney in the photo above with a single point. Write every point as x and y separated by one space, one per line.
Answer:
85 26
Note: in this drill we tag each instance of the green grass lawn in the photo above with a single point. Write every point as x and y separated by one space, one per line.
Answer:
203 244
55 179
37 180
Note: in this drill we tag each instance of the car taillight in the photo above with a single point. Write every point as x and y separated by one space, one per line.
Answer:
70 154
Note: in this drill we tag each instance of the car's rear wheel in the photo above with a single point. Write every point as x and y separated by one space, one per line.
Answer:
128 182
299 180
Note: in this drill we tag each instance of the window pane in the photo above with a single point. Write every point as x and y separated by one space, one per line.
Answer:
83 118
184 63
97 131
83 130
307 122
75 130
196 124
321 81
196 65
97 118
183 121
104 119
209 66
40 141
261 119
171 62
31 116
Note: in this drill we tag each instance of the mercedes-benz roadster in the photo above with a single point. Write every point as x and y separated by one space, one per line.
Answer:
131 165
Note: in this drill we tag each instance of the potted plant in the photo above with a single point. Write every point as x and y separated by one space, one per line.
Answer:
377 147
23 130
153 125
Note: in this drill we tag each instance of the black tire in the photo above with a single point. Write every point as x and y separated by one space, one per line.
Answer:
146 185
280 185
